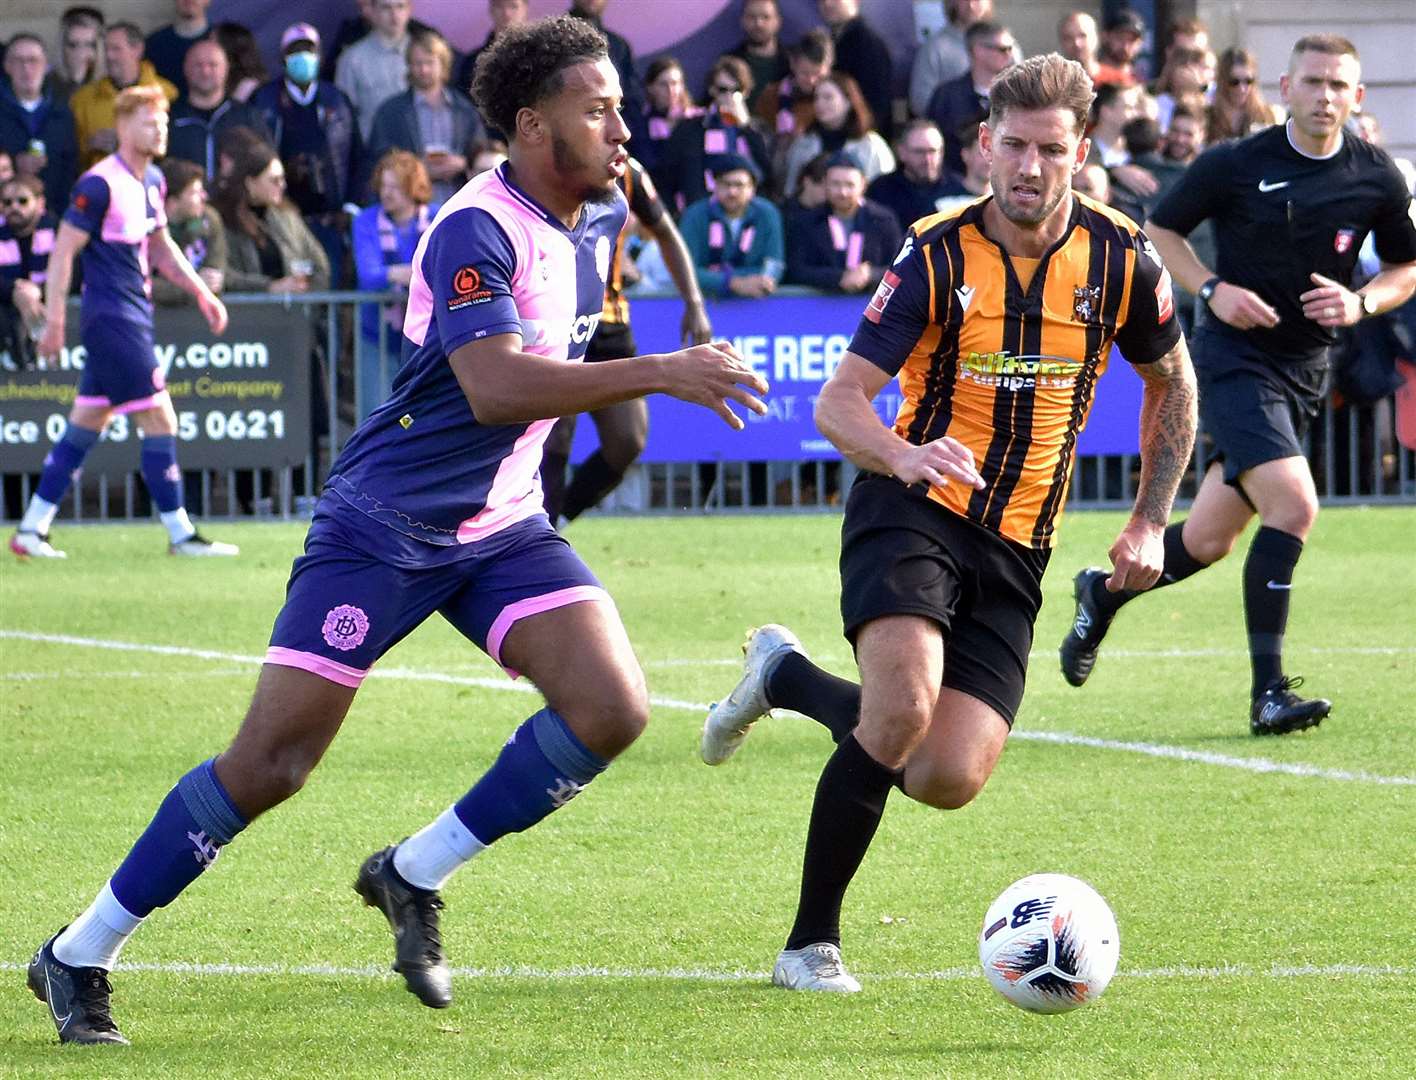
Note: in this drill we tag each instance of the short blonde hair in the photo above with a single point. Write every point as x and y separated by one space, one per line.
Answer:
138 97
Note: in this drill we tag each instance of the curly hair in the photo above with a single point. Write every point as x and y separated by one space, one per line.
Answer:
524 65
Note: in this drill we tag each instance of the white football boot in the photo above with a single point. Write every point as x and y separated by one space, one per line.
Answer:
33 545
198 546
731 719
816 967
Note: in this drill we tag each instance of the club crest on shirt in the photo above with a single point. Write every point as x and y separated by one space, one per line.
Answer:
1342 242
602 258
466 288
345 627
1085 300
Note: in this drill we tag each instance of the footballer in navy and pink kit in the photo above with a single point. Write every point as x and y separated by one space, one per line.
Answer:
115 223
435 507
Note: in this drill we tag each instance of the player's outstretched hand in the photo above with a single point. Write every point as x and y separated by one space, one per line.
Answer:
937 463
214 311
1330 304
1241 308
712 375
1137 557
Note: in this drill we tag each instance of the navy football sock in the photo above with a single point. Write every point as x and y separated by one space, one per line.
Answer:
160 472
63 462
1268 579
541 768
593 480
185 836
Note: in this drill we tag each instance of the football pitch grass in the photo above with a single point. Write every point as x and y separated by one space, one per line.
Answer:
1263 888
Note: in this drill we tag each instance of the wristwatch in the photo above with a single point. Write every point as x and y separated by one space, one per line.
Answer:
1208 288
1369 304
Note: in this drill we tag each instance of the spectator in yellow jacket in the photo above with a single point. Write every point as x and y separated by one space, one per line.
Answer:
92 103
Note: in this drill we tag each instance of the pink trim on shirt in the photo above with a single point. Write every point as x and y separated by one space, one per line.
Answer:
516 488
838 233
534 605
325 668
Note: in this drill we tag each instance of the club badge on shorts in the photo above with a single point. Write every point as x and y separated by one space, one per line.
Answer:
1342 242
345 627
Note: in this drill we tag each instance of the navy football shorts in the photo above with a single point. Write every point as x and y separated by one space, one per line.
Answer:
345 607
120 370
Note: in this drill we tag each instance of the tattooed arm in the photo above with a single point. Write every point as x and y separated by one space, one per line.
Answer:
1168 420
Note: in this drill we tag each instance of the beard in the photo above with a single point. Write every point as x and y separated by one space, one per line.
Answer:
569 164
1025 216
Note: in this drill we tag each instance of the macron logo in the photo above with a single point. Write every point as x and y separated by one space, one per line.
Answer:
1265 186
965 293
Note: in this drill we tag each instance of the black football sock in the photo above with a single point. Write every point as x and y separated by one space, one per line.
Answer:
794 682
850 799
1179 564
1268 579
593 480
553 484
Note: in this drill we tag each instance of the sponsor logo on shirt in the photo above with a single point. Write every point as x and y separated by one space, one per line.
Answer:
467 288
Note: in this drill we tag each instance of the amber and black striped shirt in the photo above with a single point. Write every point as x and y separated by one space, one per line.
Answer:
1007 365
645 204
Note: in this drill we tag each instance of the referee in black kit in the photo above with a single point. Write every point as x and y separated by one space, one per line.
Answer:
1291 206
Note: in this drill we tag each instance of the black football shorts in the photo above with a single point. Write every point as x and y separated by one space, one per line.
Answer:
903 554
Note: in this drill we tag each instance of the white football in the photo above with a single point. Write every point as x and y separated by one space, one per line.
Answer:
1049 943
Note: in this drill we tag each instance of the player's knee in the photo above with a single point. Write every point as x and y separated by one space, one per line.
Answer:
264 777
623 449
610 716
1296 517
946 789
891 734
1209 547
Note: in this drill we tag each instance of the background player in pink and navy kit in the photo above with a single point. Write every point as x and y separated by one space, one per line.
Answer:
116 223
435 506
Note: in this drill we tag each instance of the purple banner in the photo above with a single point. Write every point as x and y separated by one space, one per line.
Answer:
795 343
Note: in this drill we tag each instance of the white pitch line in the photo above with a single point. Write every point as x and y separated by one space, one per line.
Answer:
695 974
1157 750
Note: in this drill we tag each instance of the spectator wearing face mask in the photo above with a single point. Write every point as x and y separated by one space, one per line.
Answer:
315 136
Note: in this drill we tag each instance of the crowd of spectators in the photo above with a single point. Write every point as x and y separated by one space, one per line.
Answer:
792 163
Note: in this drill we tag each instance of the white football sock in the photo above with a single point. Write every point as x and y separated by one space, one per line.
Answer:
179 525
39 516
428 857
96 937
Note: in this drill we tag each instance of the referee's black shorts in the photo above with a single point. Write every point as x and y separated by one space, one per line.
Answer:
903 554
612 341
1255 409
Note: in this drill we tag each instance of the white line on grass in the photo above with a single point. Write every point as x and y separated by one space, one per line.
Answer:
695 974
1158 750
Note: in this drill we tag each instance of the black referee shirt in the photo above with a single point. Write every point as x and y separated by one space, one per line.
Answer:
1280 215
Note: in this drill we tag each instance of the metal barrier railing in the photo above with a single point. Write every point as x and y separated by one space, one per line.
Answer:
1353 451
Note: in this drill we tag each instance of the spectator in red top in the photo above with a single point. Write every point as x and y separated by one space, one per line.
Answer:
1121 41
